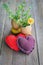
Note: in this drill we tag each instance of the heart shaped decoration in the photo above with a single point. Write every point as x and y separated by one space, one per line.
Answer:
11 42
27 44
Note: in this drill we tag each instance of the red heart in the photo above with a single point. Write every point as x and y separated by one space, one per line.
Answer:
21 35
11 42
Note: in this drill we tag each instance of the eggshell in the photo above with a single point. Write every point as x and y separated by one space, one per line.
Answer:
26 30
14 24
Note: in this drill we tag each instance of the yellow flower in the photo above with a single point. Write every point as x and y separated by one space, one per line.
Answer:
30 21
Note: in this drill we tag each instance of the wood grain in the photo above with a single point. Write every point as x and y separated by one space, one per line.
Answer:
39 28
8 56
6 52
32 58
2 22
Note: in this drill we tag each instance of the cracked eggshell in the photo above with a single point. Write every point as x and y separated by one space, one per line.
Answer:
14 24
26 30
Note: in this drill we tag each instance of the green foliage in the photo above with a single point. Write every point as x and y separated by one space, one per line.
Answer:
21 15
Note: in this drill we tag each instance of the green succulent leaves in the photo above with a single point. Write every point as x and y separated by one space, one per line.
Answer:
21 15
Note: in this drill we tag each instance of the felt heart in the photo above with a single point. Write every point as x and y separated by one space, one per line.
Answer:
21 35
11 42
26 45
31 40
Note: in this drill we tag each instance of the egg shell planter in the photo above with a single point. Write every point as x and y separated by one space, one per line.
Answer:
26 30
21 32
15 27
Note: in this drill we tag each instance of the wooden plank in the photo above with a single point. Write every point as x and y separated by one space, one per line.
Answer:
36 17
0 59
2 21
32 58
1 26
6 58
6 52
21 59
39 28
18 58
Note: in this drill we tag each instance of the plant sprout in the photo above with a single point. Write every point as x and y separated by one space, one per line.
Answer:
21 15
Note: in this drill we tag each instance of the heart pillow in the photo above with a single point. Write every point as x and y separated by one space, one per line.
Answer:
27 44
21 35
11 42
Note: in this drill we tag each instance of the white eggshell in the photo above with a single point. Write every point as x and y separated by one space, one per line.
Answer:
26 30
14 25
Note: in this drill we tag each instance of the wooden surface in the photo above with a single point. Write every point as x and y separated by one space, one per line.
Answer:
10 57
